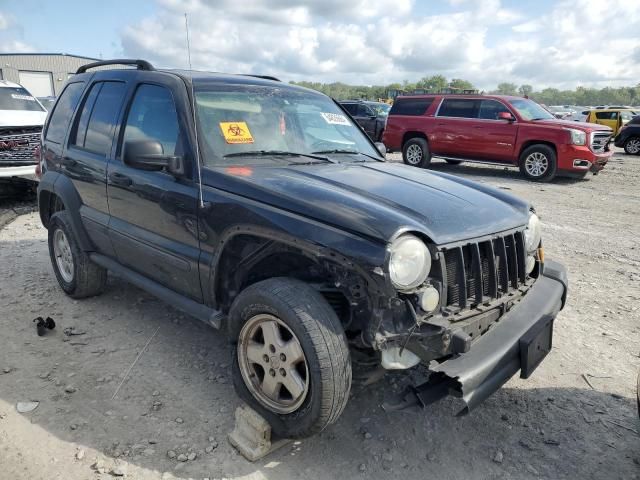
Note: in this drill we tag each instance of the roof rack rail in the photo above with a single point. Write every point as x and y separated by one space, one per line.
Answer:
265 77
141 64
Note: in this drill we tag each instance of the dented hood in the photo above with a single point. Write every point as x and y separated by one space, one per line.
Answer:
380 200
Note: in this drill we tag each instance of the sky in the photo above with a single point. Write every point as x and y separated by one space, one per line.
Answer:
544 43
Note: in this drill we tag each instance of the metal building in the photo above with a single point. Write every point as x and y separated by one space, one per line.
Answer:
43 74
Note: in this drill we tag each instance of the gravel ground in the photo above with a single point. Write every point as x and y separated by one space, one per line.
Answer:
575 418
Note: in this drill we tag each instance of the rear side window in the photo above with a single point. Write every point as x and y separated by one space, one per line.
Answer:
62 112
606 115
94 131
153 116
459 107
489 109
410 106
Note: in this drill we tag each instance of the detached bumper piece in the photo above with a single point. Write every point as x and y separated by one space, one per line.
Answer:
519 342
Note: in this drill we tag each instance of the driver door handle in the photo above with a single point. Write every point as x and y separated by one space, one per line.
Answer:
120 180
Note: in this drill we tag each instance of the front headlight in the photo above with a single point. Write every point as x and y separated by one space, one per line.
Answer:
409 263
578 137
532 233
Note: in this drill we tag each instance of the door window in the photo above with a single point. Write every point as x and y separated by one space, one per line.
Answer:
153 116
607 115
94 129
489 109
352 108
459 107
364 111
62 112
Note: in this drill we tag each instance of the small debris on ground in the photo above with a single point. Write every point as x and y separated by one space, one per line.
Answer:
26 407
498 457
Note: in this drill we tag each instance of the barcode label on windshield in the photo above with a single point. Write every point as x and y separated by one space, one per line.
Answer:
335 119
22 97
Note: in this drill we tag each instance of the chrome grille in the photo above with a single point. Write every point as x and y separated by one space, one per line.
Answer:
478 272
17 145
600 141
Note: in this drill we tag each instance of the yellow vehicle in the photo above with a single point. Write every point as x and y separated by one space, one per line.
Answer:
611 117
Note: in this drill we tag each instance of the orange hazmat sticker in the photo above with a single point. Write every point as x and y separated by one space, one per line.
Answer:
236 132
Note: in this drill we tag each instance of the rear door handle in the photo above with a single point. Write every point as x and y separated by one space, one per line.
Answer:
120 179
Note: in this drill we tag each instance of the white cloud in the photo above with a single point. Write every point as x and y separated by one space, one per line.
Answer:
376 42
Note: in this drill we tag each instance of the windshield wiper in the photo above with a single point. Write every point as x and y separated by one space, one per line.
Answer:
347 151
277 153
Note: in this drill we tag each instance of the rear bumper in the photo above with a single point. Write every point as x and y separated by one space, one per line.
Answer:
517 343
21 171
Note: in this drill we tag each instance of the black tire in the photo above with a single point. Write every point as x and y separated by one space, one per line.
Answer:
632 146
453 162
88 279
319 332
416 153
546 155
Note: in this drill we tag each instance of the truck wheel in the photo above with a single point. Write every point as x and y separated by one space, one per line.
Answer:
291 360
77 275
632 146
538 163
415 152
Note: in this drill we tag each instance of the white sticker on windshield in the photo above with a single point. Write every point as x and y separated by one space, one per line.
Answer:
23 97
335 118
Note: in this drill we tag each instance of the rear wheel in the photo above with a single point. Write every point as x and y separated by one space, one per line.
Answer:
538 163
77 275
415 152
292 361
632 146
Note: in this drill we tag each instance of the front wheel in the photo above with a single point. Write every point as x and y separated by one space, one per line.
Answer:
632 146
538 163
292 361
415 152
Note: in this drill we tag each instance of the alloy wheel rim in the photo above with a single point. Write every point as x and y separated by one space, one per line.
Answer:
633 146
414 154
536 164
272 364
63 255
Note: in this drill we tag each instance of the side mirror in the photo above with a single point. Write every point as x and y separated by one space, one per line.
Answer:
149 155
381 148
508 116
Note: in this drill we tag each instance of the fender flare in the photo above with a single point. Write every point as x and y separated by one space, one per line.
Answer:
63 188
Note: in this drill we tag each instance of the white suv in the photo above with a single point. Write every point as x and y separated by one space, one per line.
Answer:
21 120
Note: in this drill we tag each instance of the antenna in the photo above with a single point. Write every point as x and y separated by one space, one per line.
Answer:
193 108
186 27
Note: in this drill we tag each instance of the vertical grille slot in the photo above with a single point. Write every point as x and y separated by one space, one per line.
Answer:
480 271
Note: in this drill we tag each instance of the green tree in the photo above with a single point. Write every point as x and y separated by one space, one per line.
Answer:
506 88
525 90
435 83
461 84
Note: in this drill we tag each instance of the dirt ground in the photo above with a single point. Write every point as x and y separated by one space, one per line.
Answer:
575 418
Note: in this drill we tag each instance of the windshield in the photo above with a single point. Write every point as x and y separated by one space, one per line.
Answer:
17 98
241 125
381 109
530 110
628 115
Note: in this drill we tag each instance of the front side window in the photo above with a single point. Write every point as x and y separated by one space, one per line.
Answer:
489 109
18 98
153 116
530 110
381 109
352 108
459 108
241 124
606 115
61 115
94 130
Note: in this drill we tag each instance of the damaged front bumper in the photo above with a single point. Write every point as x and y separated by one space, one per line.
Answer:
519 342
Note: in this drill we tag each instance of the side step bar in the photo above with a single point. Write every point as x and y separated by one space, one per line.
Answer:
201 312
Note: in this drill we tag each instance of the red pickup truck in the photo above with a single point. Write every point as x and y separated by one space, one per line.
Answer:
495 129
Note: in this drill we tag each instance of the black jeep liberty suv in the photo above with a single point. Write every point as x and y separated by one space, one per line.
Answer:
263 209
